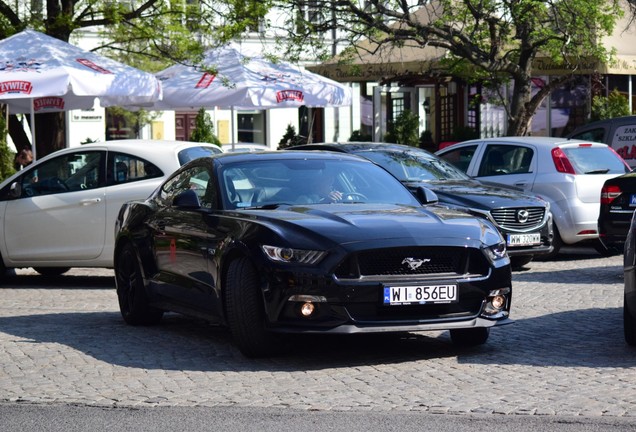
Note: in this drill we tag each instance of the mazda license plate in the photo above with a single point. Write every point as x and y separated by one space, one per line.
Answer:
529 239
408 295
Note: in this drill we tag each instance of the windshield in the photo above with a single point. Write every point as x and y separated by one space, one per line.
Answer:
414 165
262 183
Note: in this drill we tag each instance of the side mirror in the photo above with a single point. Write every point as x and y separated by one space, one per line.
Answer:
15 191
187 200
426 196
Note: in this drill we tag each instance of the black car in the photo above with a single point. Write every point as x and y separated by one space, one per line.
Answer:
253 241
618 201
524 220
629 295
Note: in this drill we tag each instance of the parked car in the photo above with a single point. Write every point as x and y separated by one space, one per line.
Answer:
629 294
567 173
619 133
264 250
618 201
524 220
59 212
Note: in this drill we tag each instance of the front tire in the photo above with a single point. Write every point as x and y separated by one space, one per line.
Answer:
557 244
470 336
246 311
629 324
131 290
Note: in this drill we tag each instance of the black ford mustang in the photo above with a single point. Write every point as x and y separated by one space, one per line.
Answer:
307 242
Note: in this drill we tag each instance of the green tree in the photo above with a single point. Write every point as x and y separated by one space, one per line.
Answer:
148 34
494 41
6 155
614 105
204 129
290 138
404 129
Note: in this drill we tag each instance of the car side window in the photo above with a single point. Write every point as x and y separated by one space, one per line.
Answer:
196 178
596 134
460 157
505 159
67 173
124 168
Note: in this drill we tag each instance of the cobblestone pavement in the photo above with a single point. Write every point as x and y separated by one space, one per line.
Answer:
63 341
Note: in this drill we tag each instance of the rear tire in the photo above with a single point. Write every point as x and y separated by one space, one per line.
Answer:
246 311
51 271
131 290
470 336
629 324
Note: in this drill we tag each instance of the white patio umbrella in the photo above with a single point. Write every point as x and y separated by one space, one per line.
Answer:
243 81
39 73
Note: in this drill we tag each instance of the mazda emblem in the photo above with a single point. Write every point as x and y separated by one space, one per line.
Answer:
523 215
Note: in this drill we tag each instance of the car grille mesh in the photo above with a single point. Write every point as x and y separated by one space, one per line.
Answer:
414 261
510 218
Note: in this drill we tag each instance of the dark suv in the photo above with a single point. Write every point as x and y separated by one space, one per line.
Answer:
524 220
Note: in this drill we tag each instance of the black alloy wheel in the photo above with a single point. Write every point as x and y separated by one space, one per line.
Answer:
131 291
246 311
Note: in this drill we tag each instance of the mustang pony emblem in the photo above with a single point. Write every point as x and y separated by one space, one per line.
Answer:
414 263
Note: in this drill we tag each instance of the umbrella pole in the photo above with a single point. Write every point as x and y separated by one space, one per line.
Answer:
232 140
33 146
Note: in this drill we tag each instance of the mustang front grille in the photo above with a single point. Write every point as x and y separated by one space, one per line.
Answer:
438 260
519 219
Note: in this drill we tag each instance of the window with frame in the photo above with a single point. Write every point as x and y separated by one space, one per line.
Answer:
506 159
197 179
123 168
460 157
67 173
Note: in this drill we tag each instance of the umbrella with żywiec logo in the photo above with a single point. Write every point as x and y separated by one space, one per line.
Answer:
39 73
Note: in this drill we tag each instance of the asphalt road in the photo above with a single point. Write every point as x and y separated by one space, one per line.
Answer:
68 362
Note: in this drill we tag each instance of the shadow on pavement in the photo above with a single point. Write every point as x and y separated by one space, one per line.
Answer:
582 338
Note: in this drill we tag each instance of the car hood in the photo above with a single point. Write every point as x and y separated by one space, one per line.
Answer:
393 225
478 195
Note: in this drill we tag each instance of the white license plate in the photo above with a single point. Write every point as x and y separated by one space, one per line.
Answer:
524 239
406 295
632 200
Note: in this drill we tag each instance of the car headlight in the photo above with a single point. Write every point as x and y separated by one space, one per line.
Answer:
496 252
289 255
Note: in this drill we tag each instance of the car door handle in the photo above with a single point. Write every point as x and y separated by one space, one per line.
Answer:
90 201
521 184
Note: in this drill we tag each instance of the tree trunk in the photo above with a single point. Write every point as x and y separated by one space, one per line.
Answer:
50 133
17 133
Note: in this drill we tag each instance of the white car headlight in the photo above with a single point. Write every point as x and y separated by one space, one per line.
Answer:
289 255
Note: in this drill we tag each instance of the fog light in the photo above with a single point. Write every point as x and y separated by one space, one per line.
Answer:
498 301
307 309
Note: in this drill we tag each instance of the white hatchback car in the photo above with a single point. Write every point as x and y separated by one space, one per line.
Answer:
567 173
60 211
